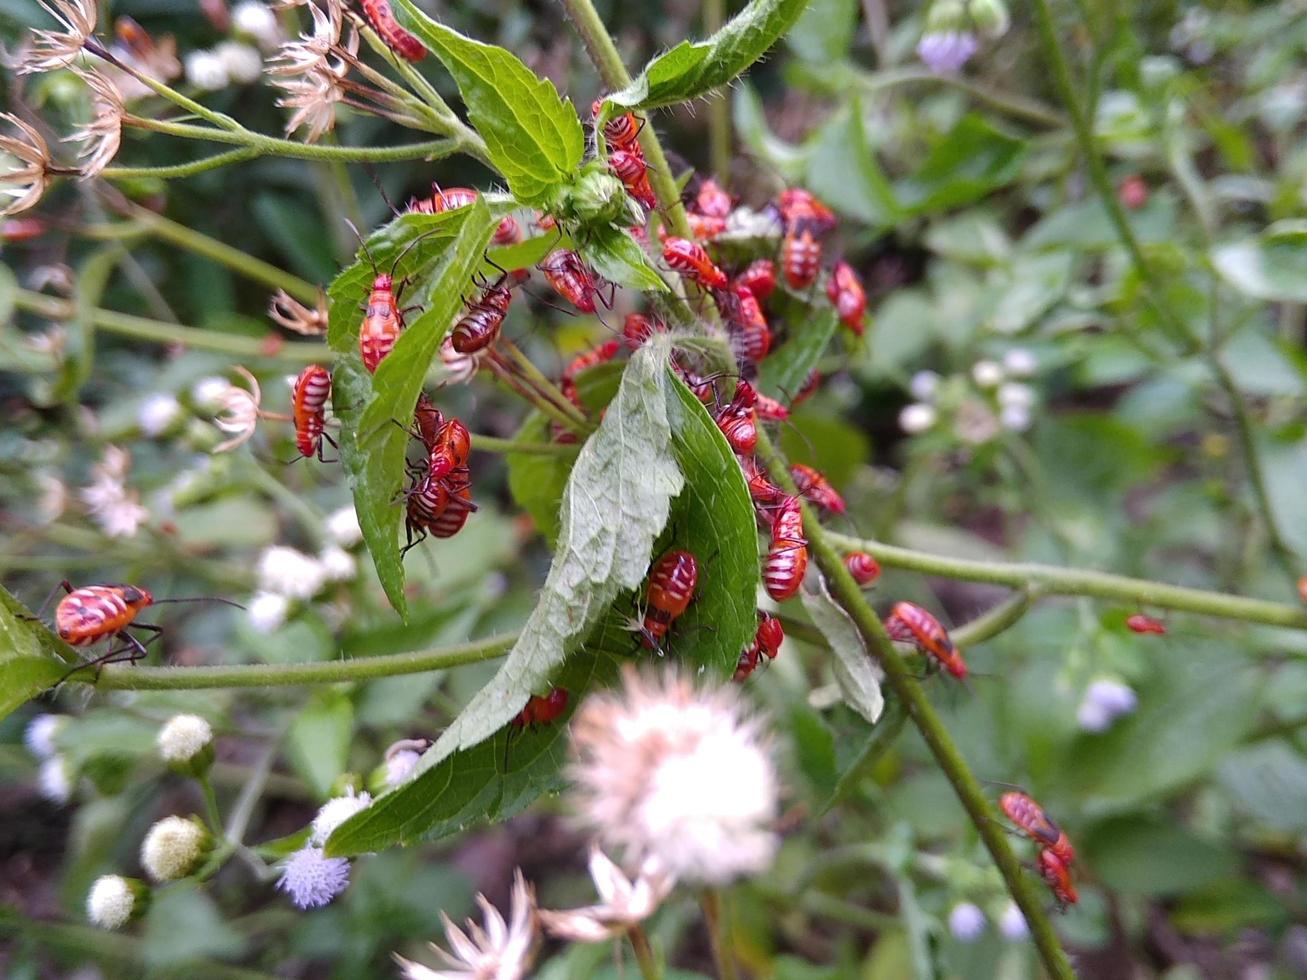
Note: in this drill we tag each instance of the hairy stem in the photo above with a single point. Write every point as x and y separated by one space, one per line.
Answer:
178 171
719 110
710 901
644 955
1017 106
123 677
848 594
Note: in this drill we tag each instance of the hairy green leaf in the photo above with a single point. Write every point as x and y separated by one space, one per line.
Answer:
693 69
618 257
31 657
857 675
532 135
447 248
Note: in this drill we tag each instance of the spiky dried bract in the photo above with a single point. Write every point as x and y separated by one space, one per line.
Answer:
311 71
238 412
101 137
678 773
285 311
51 50
623 902
499 951
25 175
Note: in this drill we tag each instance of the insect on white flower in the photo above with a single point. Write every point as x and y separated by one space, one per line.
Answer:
623 902
499 951
51 50
312 879
678 773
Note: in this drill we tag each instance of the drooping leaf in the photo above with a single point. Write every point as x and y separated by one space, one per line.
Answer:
31 658
447 248
788 367
319 738
618 257
756 134
842 171
693 69
533 136
1270 266
974 158
856 673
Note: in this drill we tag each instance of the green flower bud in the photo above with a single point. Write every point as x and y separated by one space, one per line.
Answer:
990 16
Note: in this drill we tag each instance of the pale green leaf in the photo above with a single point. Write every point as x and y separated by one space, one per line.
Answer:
618 257
856 673
1270 266
319 739
31 658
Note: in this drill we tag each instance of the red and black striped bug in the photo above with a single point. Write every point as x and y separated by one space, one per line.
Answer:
428 419
309 409
479 325
451 520
571 277
846 291
761 489
622 130
751 333
542 709
1140 623
759 278
766 643
451 449
907 621
509 231
863 567
704 227
382 323
383 21
690 260
1057 875
1029 816
22 229
639 327
817 489
801 207
770 410
672 583
801 257
787 560
712 201
592 358
739 420
810 385
444 199
630 167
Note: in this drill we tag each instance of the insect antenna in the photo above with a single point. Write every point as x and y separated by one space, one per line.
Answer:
200 598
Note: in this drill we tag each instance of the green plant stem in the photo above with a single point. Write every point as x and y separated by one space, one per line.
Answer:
848 594
124 677
710 901
493 444
503 373
160 332
643 954
1019 106
178 171
719 111
1052 580
211 811
1083 127
546 387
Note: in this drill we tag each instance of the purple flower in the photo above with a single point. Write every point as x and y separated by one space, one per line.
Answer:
946 52
966 922
312 879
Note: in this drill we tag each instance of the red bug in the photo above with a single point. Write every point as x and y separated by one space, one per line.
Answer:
810 386
450 451
592 358
1139 623
309 408
761 489
908 621
571 278
1028 815
712 201
801 257
800 207
509 231
633 172
766 643
752 335
382 323
1057 875
456 512
542 709
672 582
846 291
690 260
862 566
787 560
770 410
704 227
622 130
638 328
429 421
444 199
21 229
479 326
759 278
739 420
400 41
817 488
428 500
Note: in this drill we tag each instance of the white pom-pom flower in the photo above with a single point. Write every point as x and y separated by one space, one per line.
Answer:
54 781
337 564
917 418
40 734
499 951
1019 362
157 414
1012 924
343 527
114 901
289 572
207 393
183 737
206 70
987 374
1015 418
966 922
267 612
312 879
335 812
243 63
402 758
173 847
924 385
668 771
1104 702
254 20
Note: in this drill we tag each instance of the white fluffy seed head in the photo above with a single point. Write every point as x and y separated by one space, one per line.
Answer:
668 771
173 847
267 612
157 414
206 70
334 813
243 63
40 734
289 572
114 901
257 22
183 737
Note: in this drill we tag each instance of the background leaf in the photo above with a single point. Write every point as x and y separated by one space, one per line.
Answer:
319 739
532 135
31 657
857 675
784 372
1269 266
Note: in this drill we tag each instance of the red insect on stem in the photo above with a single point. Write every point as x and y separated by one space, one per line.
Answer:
621 131
639 327
761 489
846 291
1057 875
751 333
382 323
571 278
543 709
672 583
712 201
908 621
787 560
479 325
801 257
429 421
309 409
382 19
817 489
863 567
766 643
1140 623
1022 809
692 261
630 167
451 449
770 410
739 420
759 277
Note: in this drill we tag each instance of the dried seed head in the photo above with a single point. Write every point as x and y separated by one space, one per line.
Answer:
101 137
499 951
238 412
24 166
287 312
51 50
623 902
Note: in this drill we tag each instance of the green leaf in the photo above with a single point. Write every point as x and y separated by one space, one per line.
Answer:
842 171
825 31
533 136
618 257
31 657
751 123
858 677
691 70
372 446
1269 266
788 367
183 925
1140 856
79 356
1269 781
319 738
972 160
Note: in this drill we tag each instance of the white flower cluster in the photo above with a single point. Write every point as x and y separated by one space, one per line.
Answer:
992 401
287 575
184 737
308 876
1104 702
53 777
238 60
110 503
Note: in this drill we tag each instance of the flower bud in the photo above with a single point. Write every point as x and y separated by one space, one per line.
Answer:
595 197
115 901
186 744
987 374
917 418
966 922
990 17
335 812
40 735
174 847
1012 924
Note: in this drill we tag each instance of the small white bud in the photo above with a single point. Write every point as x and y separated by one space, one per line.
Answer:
157 414
966 922
1012 924
207 393
206 70
924 385
1105 700
173 847
337 565
987 374
1013 393
254 20
1015 418
186 743
40 734
244 64
267 612
917 418
335 812
54 780
114 901
343 527
1019 362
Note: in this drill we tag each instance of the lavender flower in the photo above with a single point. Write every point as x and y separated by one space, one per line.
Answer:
312 879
